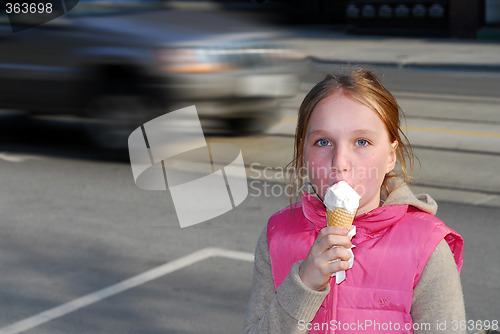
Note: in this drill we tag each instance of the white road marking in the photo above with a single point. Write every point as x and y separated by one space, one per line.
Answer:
135 281
485 199
446 96
17 158
235 255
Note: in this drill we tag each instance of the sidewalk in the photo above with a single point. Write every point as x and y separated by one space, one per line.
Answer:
324 44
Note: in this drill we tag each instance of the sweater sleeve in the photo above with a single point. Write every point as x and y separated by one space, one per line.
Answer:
286 311
438 298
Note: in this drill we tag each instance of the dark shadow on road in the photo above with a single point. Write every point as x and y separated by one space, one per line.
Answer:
20 134
23 135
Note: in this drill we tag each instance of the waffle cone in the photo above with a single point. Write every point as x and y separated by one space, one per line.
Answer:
339 217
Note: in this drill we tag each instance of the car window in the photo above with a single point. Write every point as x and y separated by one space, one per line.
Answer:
107 7
83 8
4 19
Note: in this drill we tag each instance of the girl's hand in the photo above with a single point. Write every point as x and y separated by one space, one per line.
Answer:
317 268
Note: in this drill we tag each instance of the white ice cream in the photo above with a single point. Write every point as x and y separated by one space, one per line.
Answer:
341 195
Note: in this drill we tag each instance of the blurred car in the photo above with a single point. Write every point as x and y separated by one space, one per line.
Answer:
116 64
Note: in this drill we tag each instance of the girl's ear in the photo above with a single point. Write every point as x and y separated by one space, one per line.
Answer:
392 159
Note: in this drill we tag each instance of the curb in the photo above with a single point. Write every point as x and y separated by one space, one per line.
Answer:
411 65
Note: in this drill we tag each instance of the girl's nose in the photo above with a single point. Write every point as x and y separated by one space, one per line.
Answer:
341 162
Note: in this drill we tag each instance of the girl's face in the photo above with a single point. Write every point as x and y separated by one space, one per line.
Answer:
347 141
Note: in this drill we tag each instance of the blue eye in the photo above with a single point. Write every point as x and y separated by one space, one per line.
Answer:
362 142
323 142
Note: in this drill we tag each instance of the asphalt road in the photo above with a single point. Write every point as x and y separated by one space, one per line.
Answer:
74 223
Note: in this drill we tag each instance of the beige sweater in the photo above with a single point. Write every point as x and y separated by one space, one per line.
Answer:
437 299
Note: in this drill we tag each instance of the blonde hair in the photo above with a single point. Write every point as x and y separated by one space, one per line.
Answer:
363 86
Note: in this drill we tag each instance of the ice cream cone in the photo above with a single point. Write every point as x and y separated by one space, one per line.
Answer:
339 217
342 202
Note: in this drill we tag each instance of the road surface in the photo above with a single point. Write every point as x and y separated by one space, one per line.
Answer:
75 225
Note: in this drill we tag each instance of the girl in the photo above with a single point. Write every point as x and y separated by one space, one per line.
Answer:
405 277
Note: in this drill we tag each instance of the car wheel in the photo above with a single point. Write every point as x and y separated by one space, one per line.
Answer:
111 118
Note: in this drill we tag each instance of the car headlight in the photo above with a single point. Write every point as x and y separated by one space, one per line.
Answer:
192 60
225 58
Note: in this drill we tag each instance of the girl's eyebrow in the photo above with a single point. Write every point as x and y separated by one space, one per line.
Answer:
357 132
317 132
365 131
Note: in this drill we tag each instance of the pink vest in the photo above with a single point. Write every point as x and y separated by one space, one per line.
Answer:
393 244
